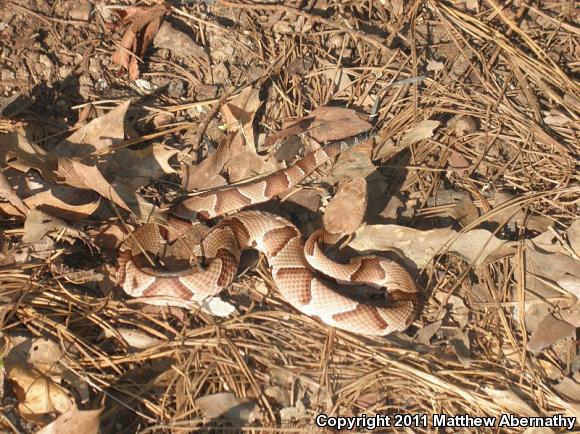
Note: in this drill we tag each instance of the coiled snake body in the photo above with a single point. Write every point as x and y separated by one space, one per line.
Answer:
291 261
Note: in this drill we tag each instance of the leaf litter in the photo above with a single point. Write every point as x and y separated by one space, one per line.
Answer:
473 169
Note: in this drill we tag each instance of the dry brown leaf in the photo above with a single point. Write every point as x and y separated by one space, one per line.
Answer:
31 363
569 389
464 211
241 111
295 413
307 198
550 331
178 42
228 406
38 396
549 242
459 341
510 401
75 421
324 124
516 215
99 134
59 200
43 354
144 24
135 339
340 79
421 246
10 195
458 162
423 130
18 152
424 334
245 163
65 202
556 118
335 123
80 175
555 268
138 168
77 174
345 212
38 224
207 173
278 394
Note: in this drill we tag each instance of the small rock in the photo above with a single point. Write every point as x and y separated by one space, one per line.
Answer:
81 11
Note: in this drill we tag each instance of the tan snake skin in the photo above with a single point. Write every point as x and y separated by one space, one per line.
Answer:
291 262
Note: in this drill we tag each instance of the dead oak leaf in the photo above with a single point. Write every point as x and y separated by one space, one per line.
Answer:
144 24
98 135
77 174
19 152
138 167
207 173
241 111
244 161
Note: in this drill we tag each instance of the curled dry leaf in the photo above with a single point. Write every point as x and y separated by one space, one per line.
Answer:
324 124
60 200
543 270
515 214
75 421
458 162
43 354
459 341
38 396
144 24
65 202
207 173
350 201
18 152
33 367
424 334
335 123
568 388
217 307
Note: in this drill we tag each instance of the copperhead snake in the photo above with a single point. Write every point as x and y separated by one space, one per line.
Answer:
291 260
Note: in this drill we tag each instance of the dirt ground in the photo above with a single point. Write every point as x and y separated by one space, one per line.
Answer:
110 111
